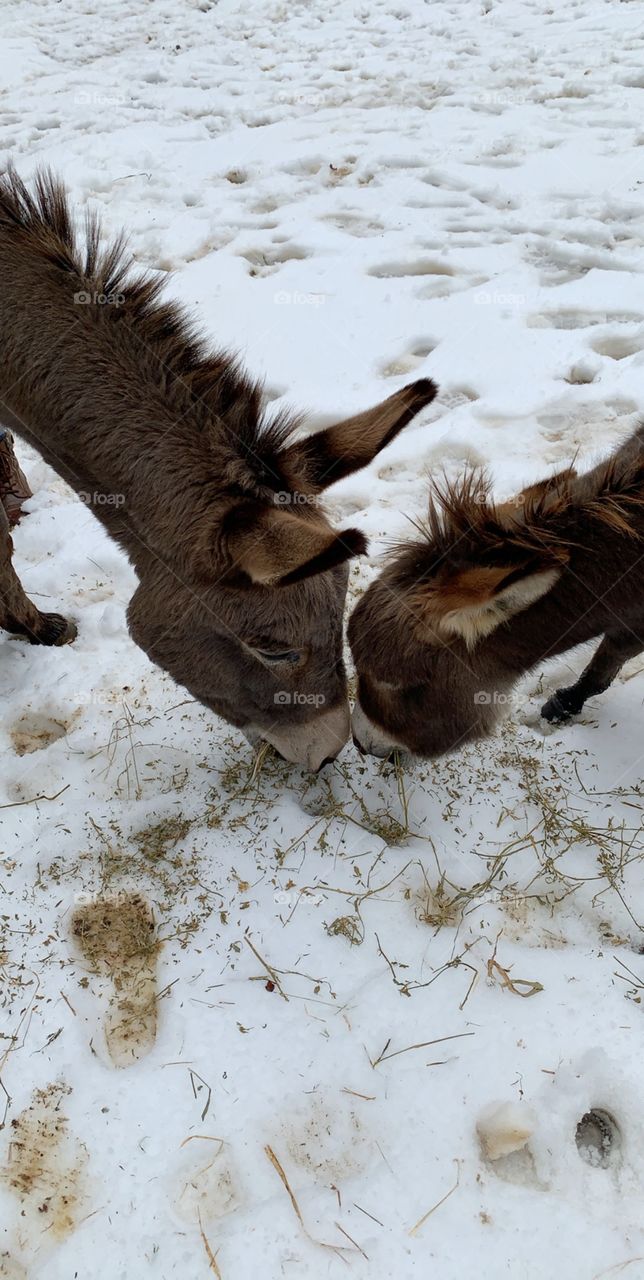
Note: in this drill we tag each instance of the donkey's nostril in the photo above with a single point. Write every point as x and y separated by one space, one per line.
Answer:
358 745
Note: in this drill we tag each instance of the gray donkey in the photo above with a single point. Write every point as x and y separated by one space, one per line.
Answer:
488 592
242 578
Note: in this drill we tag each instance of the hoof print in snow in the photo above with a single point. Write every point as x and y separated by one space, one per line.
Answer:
116 937
10 1268
580 374
617 346
598 1139
264 261
409 361
206 1186
326 1140
417 267
34 733
45 1167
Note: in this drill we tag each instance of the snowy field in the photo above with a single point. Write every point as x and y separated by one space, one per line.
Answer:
252 1025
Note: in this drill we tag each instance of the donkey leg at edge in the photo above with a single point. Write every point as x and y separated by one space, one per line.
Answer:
17 613
607 660
14 486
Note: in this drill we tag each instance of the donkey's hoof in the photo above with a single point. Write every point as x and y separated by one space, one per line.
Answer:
555 709
54 630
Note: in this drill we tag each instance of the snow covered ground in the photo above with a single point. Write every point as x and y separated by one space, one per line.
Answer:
254 1026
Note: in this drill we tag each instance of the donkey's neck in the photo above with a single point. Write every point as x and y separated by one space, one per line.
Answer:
148 457
599 592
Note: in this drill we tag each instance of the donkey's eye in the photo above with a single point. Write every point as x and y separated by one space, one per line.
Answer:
289 655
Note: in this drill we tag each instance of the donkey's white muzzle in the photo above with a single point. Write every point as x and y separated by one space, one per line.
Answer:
313 743
369 738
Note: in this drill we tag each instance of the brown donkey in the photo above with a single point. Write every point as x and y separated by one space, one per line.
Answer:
242 578
489 592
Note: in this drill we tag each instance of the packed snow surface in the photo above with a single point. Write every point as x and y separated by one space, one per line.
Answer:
251 1024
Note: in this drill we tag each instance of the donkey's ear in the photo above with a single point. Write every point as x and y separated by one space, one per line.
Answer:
275 548
471 602
321 459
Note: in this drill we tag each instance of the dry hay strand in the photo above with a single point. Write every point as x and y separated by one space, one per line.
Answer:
421 1221
212 1259
337 1249
518 986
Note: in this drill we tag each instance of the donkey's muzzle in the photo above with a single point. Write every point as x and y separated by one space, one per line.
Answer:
316 742
369 738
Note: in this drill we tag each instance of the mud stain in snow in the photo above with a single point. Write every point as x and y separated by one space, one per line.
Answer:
116 936
45 1166
34 732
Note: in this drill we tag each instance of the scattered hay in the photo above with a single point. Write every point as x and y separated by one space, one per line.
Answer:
156 841
349 927
111 931
438 907
352 818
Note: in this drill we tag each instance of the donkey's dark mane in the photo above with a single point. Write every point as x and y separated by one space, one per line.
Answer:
464 519
213 379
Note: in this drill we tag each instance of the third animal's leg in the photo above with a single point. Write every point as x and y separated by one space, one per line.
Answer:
14 486
17 613
608 659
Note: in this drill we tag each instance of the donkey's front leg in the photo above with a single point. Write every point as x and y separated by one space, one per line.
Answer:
17 613
609 658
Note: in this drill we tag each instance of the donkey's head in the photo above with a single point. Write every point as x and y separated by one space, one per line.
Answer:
253 624
430 637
